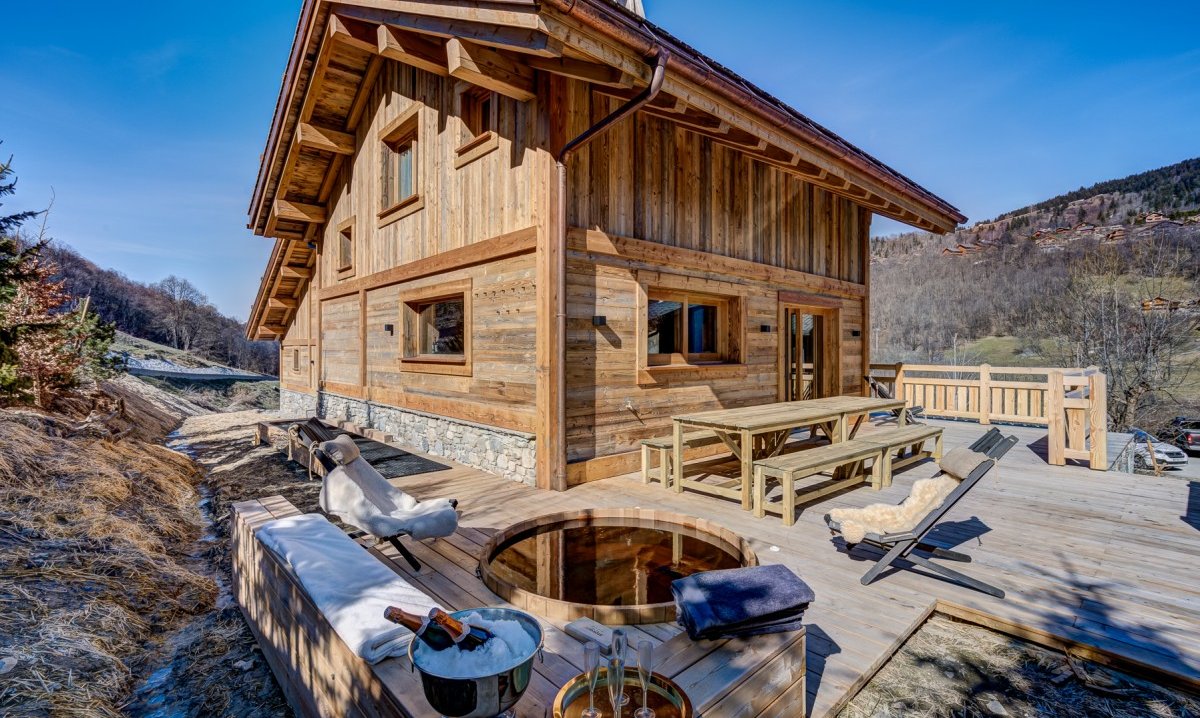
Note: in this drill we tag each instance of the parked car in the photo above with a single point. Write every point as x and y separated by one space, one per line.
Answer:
1185 433
1165 455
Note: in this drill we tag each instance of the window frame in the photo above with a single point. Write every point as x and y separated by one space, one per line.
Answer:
404 130
479 139
344 233
411 304
730 299
685 357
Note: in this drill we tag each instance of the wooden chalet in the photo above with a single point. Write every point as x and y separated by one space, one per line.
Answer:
522 234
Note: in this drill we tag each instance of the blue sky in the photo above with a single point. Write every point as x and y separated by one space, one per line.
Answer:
147 122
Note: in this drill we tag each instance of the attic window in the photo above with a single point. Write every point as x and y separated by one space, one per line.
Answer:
478 109
399 171
344 249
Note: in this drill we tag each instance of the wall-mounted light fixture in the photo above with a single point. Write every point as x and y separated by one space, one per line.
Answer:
390 329
599 320
764 328
855 333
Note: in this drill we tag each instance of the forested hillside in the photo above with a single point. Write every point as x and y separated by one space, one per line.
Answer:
1103 276
171 312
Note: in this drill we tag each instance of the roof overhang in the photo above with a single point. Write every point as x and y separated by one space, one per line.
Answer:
339 48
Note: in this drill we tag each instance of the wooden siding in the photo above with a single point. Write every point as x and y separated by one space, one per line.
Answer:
485 198
655 180
610 408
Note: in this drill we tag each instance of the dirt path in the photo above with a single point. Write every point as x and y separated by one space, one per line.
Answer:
213 666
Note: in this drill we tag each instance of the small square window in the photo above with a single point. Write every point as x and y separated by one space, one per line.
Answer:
477 109
684 328
442 327
436 329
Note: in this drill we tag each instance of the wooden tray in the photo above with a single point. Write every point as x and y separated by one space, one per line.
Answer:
667 700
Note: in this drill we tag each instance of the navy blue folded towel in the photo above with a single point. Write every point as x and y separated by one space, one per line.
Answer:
741 601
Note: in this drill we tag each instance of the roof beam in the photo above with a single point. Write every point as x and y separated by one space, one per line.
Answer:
281 303
411 49
518 39
490 68
354 33
592 72
299 211
294 272
315 137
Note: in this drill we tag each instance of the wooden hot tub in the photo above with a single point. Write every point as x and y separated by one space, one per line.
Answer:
612 565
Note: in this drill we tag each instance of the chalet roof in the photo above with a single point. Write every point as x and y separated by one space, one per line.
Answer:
557 36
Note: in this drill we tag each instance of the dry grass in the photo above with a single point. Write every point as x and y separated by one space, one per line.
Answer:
92 531
954 670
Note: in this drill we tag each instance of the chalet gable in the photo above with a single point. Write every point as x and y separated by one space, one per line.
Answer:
505 46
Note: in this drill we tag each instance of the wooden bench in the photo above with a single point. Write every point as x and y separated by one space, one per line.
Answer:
909 441
803 464
664 446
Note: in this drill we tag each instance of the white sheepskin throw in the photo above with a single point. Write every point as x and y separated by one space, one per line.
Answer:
927 494
357 494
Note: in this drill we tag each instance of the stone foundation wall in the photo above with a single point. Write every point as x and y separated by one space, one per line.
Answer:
509 454
294 404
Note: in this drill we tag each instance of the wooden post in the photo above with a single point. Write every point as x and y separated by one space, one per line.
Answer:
1098 421
898 388
1055 420
985 394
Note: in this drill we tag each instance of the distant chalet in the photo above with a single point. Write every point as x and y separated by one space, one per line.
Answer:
431 276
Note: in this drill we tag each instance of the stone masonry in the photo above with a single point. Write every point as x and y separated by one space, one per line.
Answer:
507 453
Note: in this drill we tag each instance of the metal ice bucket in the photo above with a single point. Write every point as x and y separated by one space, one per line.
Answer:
486 696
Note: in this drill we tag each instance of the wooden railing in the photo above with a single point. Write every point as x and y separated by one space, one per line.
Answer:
1070 403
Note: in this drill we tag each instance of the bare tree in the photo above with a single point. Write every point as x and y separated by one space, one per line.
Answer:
183 316
1099 320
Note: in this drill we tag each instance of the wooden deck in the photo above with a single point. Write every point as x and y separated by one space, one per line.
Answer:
1101 559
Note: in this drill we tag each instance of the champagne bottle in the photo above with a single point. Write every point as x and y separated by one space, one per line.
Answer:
431 633
465 636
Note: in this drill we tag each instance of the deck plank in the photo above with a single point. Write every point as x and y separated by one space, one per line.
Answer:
1102 558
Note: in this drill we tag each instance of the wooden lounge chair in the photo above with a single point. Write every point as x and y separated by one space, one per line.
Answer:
881 392
910 545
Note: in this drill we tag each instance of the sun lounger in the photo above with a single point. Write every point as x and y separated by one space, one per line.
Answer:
359 495
903 539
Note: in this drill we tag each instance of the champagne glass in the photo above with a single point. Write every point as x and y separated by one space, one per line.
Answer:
620 646
591 666
645 656
616 684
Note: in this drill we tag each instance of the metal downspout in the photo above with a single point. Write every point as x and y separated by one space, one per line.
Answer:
560 225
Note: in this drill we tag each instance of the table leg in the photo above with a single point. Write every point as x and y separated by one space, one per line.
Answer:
747 467
840 429
677 457
902 420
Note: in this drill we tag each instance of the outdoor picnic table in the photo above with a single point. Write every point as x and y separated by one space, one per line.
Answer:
756 432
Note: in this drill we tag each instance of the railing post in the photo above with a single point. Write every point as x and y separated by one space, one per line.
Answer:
985 394
1056 439
898 389
1098 421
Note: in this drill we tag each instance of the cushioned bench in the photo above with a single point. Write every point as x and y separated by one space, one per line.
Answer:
788 468
909 442
664 445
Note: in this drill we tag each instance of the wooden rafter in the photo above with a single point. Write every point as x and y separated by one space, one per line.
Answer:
299 211
324 138
295 272
486 67
495 34
592 72
412 49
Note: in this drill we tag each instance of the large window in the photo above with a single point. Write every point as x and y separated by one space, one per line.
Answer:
436 336
399 166
683 328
